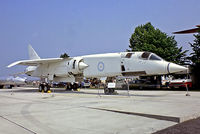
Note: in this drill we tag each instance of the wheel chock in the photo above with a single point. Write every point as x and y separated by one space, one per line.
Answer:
78 89
49 91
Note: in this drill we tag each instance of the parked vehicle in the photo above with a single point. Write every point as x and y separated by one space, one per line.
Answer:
180 83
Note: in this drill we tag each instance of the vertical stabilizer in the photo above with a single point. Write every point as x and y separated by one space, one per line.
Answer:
32 54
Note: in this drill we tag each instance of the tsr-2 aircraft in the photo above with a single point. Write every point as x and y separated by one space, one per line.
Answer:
74 69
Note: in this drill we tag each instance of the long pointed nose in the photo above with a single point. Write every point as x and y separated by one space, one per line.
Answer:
172 68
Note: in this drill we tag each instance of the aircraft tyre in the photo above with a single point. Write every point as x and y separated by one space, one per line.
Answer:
108 91
75 87
69 87
1 86
41 87
46 88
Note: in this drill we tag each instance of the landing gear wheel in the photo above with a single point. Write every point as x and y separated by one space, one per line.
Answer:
112 91
69 87
46 88
75 87
41 87
108 91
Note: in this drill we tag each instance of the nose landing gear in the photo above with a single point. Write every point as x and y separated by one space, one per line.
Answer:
108 91
72 86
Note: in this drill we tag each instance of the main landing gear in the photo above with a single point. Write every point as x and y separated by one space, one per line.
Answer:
70 86
44 87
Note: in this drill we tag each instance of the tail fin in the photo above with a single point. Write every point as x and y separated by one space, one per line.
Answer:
32 54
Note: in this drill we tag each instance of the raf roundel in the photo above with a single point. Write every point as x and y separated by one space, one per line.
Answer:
100 66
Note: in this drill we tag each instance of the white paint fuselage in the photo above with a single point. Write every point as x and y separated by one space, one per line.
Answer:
106 65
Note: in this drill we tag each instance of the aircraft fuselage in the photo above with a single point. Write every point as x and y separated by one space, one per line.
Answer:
106 65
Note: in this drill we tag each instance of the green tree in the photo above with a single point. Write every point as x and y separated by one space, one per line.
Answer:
64 55
147 38
195 55
195 58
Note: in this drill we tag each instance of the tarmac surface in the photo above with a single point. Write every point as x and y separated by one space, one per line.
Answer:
88 111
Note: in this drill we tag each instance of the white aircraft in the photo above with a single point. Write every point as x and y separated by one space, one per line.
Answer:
12 81
74 69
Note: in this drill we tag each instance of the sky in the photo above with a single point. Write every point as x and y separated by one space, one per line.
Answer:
80 27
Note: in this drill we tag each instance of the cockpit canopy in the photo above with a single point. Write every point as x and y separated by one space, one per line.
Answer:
141 55
150 56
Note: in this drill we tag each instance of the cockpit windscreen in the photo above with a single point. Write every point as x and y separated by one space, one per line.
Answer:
155 57
150 56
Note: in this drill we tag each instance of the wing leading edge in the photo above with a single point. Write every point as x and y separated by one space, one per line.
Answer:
35 62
